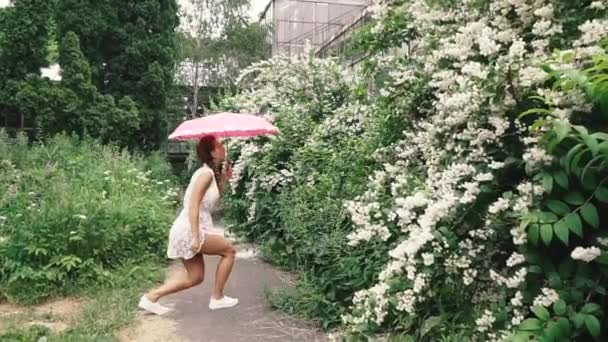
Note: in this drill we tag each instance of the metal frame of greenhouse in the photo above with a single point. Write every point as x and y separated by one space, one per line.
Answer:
294 26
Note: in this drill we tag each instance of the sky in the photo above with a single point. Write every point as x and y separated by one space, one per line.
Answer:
257 6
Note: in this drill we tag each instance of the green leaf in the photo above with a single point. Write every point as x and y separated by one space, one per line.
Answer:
564 326
600 136
582 130
577 159
592 143
533 234
530 324
562 231
547 217
562 129
602 259
593 325
546 233
568 159
589 165
429 324
552 332
604 147
591 309
590 215
589 181
566 268
522 337
560 307
542 313
558 207
542 111
574 223
574 198
561 178
601 194
579 320
547 182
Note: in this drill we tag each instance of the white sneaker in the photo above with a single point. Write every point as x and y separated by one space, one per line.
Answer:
224 303
155 308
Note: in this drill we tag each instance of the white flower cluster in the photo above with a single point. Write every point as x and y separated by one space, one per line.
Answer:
485 322
546 298
248 151
586 254
453 139
536 157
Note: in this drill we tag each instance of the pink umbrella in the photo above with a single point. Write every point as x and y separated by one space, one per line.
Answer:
223 125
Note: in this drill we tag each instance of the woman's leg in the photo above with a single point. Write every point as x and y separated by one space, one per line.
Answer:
195 269
217 245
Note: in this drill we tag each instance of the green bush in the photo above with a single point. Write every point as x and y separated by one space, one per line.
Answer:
430 207
72 211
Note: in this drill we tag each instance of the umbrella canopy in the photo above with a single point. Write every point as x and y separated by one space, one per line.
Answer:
223 125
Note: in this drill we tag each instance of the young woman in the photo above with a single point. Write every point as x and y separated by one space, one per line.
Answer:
191 235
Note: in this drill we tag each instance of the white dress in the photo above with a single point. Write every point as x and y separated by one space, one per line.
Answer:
180 236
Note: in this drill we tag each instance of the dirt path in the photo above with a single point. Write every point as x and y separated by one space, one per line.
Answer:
252 320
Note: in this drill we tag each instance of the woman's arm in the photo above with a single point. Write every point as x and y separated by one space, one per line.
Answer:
200 188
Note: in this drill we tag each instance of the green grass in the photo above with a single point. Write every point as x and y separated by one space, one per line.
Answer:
108 308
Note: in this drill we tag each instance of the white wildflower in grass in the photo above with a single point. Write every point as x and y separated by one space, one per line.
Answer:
585 254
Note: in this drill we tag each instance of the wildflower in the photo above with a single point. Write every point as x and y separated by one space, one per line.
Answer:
485 322
547 298
499 206
516 259
428 259
585 254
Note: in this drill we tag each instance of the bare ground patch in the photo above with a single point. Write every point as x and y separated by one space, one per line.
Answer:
57 315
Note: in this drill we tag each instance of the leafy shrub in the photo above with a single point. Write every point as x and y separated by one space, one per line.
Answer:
72 211
462 217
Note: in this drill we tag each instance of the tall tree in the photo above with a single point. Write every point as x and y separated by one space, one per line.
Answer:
131 47
217 42
23 49
24 37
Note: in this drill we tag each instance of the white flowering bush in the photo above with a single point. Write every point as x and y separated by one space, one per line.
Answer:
471 181
73 211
